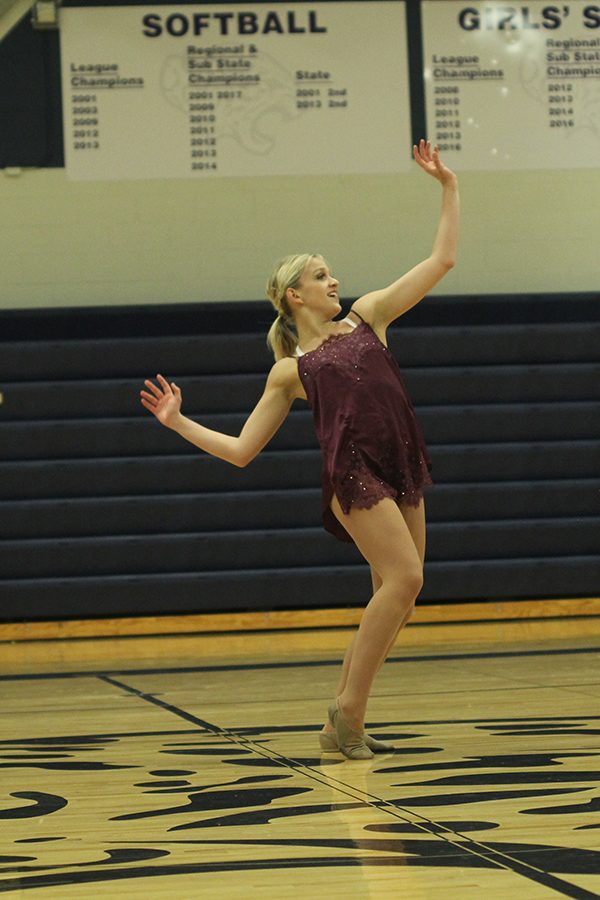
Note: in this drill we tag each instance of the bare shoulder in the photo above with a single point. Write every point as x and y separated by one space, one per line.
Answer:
367 308
284 376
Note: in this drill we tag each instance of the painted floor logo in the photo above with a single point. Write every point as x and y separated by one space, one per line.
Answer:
87 809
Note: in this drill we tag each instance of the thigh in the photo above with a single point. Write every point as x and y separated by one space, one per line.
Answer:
414 516
415 521
382 535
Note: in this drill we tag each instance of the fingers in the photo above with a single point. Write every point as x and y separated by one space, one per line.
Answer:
422 153
150 399
429 159
417 156
164 384
161 396
155 390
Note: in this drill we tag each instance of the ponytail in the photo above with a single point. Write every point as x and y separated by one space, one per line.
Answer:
281 339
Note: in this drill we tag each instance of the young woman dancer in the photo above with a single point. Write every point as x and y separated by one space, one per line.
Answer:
375 463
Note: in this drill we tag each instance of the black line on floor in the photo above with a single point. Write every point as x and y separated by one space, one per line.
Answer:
246 667
497 858
150 698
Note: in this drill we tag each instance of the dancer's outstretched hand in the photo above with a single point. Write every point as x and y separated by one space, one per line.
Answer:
162 400
430 162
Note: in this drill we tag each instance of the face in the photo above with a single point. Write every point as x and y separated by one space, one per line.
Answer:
318 289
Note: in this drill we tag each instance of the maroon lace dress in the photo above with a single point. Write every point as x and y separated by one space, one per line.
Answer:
372 444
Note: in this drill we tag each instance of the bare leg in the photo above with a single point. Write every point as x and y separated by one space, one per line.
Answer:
384 539
376 582
415 520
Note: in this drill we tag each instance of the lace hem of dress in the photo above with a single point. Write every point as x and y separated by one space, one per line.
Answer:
361 488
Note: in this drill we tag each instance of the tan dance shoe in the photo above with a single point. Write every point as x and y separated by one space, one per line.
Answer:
351 743
329 744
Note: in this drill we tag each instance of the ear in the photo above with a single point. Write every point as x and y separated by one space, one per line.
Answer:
293 297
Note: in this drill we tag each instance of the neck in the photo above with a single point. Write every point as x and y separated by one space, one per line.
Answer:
313 330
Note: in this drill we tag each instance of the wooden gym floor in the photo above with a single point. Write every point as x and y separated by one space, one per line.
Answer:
188 766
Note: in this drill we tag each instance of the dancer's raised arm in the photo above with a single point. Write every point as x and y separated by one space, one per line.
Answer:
383 306
163 400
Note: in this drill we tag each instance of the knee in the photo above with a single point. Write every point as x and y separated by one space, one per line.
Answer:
408 581
413 578
410 609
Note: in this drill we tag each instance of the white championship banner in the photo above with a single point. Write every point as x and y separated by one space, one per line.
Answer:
248 89
513 86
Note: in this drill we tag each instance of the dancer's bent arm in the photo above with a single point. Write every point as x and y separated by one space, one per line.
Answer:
381 307
163 400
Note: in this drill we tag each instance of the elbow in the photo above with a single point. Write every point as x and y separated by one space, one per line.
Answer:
445 263
239 454
242 460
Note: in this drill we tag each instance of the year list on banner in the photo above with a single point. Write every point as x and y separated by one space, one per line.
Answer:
513 86
206 91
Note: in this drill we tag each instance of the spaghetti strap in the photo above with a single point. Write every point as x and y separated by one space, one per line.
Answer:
351 310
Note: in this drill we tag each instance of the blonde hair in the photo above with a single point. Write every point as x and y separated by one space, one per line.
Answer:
282 337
